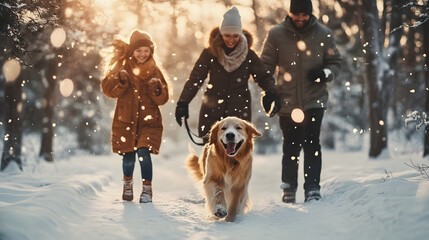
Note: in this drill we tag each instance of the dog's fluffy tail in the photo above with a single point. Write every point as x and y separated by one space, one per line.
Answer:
194 166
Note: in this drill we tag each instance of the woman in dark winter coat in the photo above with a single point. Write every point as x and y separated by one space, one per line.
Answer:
230 62
140 88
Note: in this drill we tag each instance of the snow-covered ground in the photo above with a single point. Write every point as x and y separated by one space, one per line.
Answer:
80 198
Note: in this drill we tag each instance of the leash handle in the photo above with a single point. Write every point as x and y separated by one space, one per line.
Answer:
191 133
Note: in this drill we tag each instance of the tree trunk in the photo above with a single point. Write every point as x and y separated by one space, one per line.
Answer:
383 22
260 31
46 148
13 124
370 40
410 46
426 68
391 73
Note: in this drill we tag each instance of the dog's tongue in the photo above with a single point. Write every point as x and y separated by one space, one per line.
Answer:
230 148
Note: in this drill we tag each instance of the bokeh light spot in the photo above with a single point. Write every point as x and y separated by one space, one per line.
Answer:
301 45
11 70
66 87
58 37
297 115
287 77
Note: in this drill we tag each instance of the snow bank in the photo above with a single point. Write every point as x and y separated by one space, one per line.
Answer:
79 197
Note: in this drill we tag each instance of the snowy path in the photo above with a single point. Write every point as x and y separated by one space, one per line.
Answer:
79 198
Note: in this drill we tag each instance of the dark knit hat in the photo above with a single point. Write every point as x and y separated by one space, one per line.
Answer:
301 6
140 39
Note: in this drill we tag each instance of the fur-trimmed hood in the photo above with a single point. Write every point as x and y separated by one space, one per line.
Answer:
216 41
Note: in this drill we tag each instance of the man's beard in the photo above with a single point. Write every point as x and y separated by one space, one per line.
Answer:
301 26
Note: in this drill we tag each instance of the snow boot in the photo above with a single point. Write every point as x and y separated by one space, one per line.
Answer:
127 193
288 193
313 194
146 195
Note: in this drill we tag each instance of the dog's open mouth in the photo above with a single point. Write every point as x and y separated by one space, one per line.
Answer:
231 148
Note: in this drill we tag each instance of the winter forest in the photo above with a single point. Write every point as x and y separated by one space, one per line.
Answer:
53 113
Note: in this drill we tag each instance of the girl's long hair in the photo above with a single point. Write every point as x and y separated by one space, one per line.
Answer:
116 60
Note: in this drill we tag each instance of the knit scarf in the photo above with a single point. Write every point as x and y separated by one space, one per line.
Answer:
234 60
144 70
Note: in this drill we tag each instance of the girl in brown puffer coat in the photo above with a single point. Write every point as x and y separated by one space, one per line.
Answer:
139 86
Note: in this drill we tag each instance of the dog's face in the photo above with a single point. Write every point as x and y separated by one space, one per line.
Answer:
232 133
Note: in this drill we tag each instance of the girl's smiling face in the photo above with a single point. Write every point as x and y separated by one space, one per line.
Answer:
142 54
230 39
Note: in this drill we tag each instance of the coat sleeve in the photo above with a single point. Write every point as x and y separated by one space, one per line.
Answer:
162 98
198 75
260 73
112 87
269 56
332 58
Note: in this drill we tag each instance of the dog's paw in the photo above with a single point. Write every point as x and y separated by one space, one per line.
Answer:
220 211
230 218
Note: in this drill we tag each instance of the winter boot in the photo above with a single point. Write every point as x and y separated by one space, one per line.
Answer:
127 193
313 194
288 193
146 195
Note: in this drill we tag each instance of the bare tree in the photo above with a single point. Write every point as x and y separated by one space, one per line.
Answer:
46 146
16 30
377 109
13 124
426 69
259 22
51 66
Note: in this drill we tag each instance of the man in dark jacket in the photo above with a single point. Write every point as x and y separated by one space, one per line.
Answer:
307 57
229 62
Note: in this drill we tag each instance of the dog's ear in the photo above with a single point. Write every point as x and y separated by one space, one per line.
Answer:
251 130
213 133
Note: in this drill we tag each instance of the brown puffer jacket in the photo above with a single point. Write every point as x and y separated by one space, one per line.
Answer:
227 93
137 121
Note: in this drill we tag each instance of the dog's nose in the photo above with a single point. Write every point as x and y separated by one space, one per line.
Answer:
230 136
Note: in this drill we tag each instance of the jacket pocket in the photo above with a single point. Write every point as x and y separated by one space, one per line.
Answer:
123 111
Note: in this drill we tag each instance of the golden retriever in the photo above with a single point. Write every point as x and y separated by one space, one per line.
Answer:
225 167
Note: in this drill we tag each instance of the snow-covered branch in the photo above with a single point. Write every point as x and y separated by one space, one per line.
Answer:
420 119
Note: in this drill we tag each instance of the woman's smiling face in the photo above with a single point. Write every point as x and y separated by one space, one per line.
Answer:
230 39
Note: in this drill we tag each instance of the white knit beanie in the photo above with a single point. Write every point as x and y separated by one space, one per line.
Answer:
231 22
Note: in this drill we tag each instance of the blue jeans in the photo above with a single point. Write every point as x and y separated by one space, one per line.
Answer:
145 163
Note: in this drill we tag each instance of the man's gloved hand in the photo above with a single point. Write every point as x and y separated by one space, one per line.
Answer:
181 111
267 101
319 75
124 77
